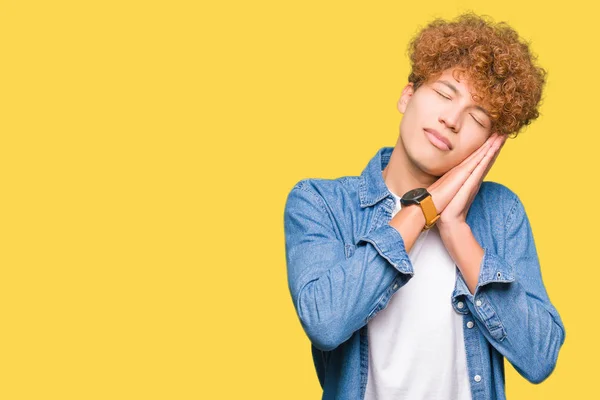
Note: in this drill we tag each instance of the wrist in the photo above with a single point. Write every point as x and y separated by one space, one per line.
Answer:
409 222
435 198
411 215
452 229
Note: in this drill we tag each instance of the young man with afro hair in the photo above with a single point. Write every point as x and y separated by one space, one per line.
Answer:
416 279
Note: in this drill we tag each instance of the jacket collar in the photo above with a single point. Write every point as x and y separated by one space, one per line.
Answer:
372 187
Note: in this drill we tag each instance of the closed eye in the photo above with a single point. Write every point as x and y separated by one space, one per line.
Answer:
449 98
446 97
477 121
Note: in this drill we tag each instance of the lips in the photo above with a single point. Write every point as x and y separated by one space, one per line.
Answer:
438 140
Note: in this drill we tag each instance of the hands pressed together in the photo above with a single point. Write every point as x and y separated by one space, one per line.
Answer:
454 192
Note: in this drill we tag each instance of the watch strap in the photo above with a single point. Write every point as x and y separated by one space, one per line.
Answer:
429 211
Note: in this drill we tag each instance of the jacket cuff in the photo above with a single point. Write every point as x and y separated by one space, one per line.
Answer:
492 269
390 245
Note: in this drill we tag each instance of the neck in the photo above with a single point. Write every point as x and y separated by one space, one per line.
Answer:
402 175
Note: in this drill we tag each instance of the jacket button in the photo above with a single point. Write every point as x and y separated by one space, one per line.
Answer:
470 324
478 303
460 304
477 378
395 286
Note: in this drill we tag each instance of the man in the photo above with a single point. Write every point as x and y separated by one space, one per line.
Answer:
416 279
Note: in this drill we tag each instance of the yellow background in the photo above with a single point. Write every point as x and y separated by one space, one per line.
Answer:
147 149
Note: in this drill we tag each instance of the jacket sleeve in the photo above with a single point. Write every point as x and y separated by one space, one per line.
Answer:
511 305
337 287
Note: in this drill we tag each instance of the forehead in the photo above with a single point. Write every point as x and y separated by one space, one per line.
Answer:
456 79
459 83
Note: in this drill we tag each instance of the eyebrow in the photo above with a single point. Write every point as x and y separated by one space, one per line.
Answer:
455 90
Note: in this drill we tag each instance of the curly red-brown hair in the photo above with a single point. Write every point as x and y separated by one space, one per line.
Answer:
499 65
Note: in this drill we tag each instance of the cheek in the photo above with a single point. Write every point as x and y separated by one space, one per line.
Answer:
470 146
414 119
407 127
460 157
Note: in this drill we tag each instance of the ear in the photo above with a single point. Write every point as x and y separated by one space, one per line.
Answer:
407 93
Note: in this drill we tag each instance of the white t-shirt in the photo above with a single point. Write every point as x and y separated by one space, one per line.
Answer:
416 344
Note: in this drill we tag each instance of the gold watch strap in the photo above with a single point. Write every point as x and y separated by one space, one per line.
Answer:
431 215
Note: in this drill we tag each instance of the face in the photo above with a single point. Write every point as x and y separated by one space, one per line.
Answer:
442 106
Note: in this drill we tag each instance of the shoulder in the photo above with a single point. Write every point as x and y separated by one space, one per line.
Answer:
320 184
496 192
324 192
500 199
325 188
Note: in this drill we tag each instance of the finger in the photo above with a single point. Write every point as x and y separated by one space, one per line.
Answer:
459 168
497 147
481 149
481 169
475 161
473 182
459 174
456 177
478 155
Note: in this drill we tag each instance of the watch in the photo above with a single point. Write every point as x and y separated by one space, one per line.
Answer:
423 198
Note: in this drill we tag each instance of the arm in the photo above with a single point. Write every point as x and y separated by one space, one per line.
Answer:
514 313
465 251
335 295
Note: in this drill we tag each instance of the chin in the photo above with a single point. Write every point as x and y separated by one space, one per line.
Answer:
438 172
430 164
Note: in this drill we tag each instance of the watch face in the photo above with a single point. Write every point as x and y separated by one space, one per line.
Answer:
415 194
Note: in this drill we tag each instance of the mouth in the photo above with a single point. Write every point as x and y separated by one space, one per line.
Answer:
438 140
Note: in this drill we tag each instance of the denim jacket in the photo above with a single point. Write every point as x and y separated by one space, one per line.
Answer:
344 262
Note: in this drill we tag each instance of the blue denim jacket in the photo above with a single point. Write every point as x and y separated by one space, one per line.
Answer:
344 262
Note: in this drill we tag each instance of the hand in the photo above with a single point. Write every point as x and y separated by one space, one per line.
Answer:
454 192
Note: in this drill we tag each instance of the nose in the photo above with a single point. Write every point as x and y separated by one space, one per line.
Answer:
450 117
